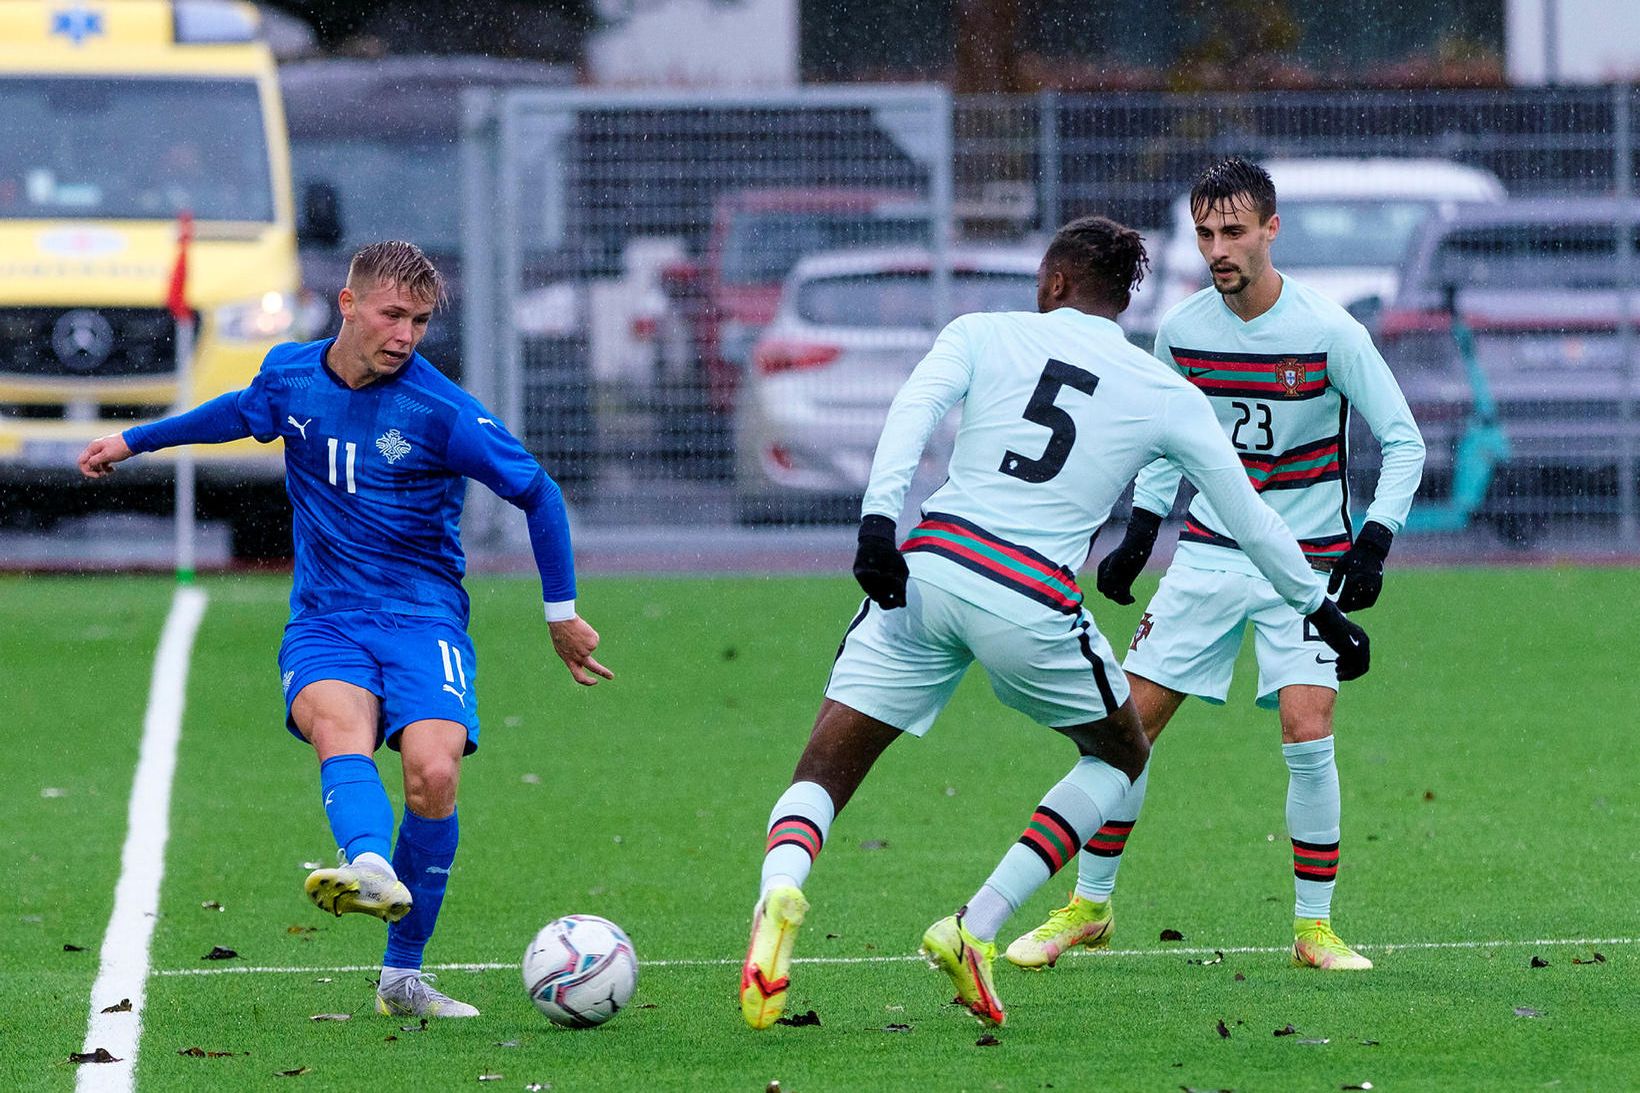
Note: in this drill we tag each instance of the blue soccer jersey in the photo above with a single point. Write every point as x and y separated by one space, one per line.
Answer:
376 478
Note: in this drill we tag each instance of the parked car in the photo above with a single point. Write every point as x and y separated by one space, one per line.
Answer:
1539 285
850 327
1345 228
376 154
731 292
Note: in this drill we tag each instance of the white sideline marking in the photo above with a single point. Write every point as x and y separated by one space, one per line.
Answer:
1092 954
123 968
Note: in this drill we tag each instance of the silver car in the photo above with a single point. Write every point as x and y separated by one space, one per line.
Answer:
850 327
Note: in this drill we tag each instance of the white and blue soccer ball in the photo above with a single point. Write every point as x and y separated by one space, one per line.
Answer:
580 970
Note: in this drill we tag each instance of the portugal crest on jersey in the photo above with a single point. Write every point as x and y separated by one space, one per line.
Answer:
1290 374
392 445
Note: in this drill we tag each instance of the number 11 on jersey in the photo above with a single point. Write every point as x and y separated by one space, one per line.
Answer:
351 451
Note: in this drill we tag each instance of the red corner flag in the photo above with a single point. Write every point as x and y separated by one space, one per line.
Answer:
176 298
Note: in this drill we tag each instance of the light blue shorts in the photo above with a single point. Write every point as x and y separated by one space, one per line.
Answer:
419 668
1191 633
902 666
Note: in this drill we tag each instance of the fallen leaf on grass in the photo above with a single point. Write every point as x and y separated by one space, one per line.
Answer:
212 905
987 1041
67 948
101 1055
420 1027
1240 978
1224 1031
122 1006
1527 1011
1216 958
201 1053
1598 959
297 1073
331 1017
1539 962
301 929
896 1028
1363 1085
1286 1030
1171 934
1314 1040
491 1077
800 1020
1369 1043
218 952
1429 795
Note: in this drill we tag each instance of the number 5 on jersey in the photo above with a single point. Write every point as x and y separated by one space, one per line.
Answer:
1061 426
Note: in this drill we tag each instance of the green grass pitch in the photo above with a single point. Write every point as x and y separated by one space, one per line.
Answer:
1487 762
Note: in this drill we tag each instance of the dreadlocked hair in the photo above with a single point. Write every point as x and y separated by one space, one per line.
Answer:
1101 256
1231 182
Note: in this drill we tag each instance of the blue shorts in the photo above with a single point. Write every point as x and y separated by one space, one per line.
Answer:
418 668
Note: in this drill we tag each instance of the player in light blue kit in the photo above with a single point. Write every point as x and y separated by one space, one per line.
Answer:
1282 366
378 448
1059 412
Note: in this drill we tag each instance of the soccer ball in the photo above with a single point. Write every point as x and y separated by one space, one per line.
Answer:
580 970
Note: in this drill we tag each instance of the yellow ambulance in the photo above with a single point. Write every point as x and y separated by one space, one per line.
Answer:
116 116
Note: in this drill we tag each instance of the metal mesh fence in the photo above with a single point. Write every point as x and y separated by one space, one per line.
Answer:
636 249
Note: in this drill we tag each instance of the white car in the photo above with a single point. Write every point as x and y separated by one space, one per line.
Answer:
850 327
1346 225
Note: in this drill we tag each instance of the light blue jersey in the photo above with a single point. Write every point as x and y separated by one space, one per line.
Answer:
1282 386
1059 413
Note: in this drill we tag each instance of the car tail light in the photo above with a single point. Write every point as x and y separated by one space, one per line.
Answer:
1396 322
774 357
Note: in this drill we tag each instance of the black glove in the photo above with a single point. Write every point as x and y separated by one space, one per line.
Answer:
1345 638
1360 572
1122 565
878 564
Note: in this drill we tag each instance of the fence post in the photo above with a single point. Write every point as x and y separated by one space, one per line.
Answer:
1047 151
1623 149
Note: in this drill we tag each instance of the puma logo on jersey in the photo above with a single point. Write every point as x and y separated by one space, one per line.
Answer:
487 421
299 426
460 696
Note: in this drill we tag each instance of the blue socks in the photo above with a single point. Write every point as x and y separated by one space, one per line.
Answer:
422 860
361 818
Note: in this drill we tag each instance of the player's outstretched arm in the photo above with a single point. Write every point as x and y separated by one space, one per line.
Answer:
574 640
99 457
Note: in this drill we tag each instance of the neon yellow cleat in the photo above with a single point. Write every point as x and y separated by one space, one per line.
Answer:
1079 922
361 887
967 960
766 975
1316 946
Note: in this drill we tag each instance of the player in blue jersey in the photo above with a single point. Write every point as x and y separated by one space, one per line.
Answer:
1059 412
378 448
1283 366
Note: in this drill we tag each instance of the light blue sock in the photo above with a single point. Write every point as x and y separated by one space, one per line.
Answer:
1101 855
1073 808
422 859
798 827
1313 813
361 817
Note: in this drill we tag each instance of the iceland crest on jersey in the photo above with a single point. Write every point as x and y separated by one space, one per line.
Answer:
392 445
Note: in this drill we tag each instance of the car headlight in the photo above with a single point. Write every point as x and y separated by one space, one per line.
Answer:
269 317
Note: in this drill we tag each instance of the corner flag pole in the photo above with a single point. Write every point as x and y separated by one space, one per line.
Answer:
177 303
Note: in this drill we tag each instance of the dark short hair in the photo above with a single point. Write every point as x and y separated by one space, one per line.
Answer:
1099 256
1221 184
395 262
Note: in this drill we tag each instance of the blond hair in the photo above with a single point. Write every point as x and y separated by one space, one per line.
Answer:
395 262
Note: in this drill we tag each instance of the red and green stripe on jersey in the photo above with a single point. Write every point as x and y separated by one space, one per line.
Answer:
1109 841
1323 551
1315 861
1272 376
798 831
1296 468
1051 837
1009 564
